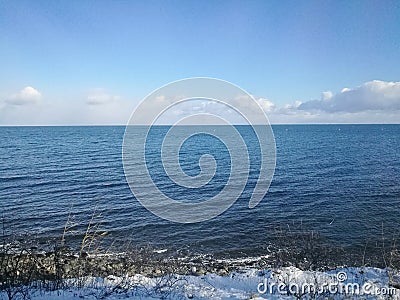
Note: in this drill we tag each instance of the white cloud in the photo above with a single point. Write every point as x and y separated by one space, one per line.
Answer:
243 101
326 95
100 96
289 108
265 104
374 95
240 104
345 89
372 102
98 107
26 96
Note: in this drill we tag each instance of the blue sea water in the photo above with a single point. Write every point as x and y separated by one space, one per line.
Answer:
342 181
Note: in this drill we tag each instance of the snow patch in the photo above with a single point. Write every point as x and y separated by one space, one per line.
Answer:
243 284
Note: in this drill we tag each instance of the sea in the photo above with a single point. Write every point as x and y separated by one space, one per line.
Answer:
341 182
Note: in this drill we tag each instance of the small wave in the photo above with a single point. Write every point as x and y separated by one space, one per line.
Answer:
160 251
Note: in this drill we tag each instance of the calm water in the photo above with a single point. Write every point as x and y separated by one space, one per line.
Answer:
340 180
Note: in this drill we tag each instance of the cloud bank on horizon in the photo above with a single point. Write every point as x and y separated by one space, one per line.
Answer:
373 95
372 102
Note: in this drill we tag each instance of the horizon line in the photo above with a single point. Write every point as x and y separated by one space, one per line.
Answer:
121 125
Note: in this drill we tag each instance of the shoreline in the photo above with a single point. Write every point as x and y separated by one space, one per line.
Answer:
67 263
97 267
130 272
64 275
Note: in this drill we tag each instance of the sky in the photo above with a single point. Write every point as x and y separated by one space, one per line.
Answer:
92 62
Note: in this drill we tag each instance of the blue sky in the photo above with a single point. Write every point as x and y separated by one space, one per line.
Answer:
72 51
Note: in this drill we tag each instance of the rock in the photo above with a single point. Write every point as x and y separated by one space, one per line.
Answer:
200 271
394 280
222 272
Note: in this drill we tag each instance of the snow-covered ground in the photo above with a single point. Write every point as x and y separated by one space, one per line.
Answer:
285 283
